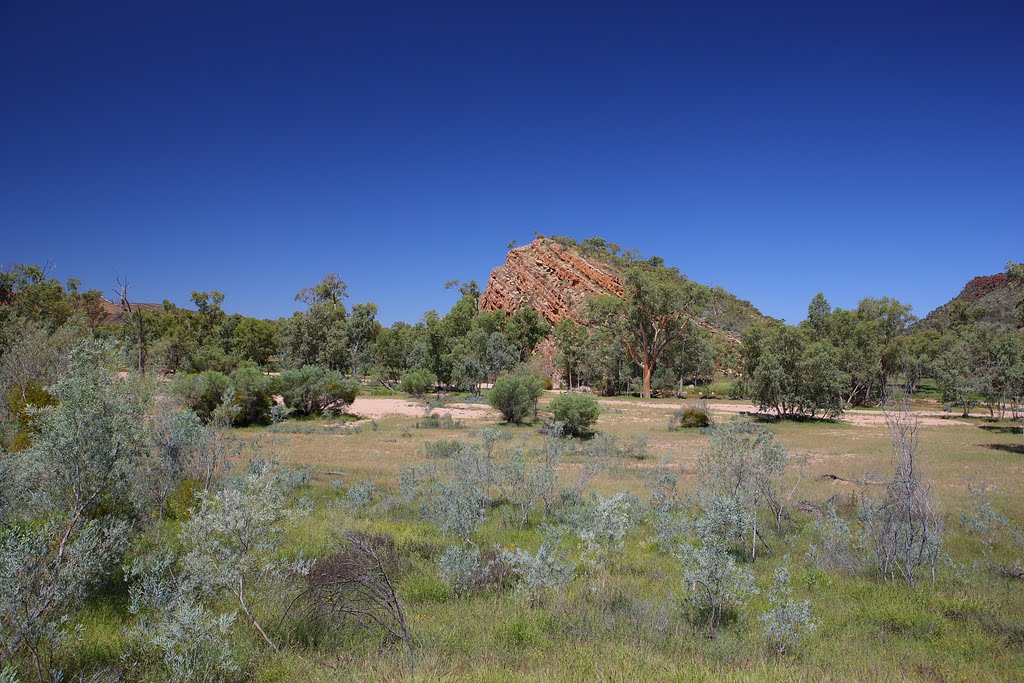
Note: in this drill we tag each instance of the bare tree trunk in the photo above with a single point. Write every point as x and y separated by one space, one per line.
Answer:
133 316
252 619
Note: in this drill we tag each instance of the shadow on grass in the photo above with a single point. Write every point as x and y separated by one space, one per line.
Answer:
1001 429
1006 448
770 418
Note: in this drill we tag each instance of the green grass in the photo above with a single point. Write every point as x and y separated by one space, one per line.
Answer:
626 623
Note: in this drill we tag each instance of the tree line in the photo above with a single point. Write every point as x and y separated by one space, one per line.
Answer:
660 338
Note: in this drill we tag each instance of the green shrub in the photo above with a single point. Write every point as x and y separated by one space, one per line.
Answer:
636 447
180 501
576 412
311 389
789 620
209 357
515 396
359 496
458 568
201 393
435 421
418 382
22 401
253 396
689 417
443 449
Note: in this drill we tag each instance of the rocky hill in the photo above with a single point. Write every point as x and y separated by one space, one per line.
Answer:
557 276
551 277
989 298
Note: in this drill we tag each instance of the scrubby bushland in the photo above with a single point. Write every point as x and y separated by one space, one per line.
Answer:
311 389
465 569
900 533
80 472
34 358
167 572
836 548
458 567
743 466
442 448
228 556
715 586
739 478
434 420
603 527
69 503
541 573
515 396
359 496
600 455
456 506
523 483
577 413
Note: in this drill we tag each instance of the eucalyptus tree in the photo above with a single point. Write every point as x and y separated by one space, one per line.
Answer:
525 330
571 342
871 345
319 335
790 373
361 331
653 314
689 358
254 340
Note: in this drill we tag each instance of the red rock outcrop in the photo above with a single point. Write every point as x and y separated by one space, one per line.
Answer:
988 298
983 285
552 278
557 281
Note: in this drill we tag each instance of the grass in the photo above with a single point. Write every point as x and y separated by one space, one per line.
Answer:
625 623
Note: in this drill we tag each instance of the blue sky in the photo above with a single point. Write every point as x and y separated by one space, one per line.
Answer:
776 149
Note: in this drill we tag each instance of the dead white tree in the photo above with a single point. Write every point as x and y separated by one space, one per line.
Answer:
133 317
904 529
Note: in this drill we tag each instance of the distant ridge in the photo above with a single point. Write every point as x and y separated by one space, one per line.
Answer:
988 298
114 314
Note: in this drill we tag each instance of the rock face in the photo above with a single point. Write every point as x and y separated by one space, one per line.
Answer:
990 298
552 278
557 281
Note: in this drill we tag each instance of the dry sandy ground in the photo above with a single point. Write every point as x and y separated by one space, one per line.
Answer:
378 406
857 417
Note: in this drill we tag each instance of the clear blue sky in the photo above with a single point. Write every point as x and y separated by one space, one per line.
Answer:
774 148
